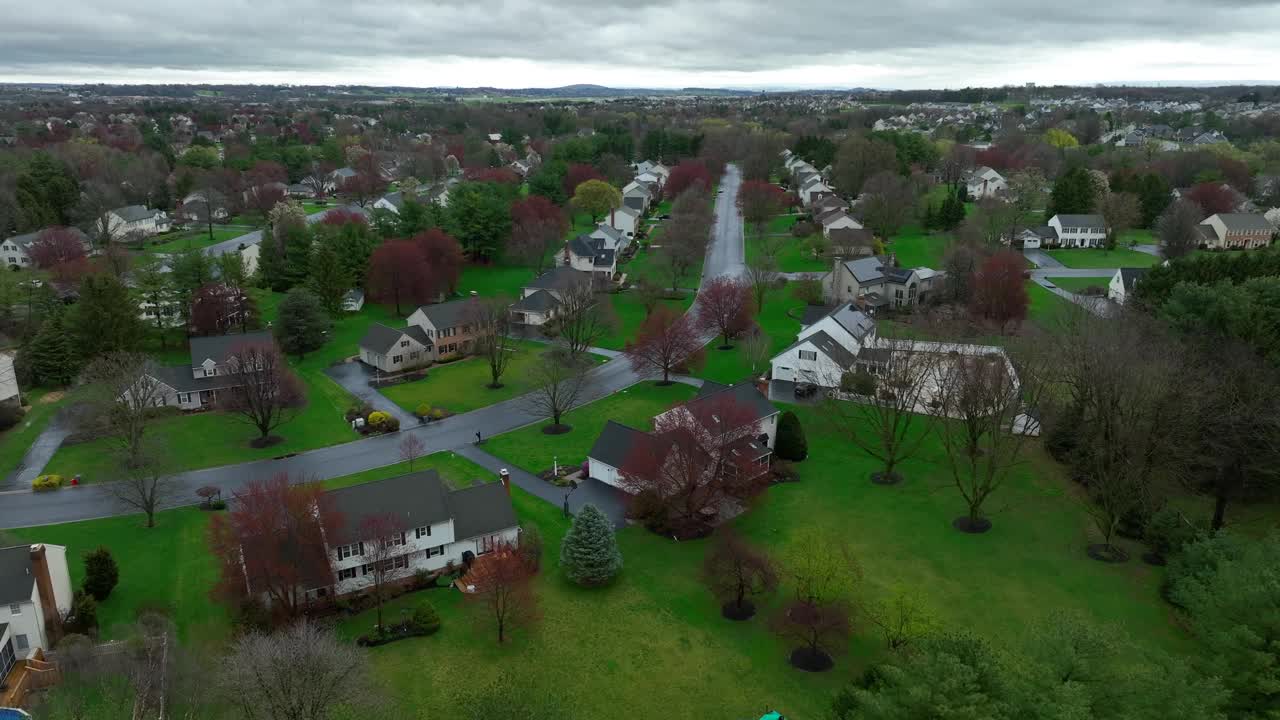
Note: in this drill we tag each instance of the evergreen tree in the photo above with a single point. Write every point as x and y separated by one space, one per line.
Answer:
930 219
100 573
46 193
1074 192
589 553
790 443
106 318
303 322
330 278
297 258
52 354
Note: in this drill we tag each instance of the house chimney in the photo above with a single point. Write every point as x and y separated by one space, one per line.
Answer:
504 477
48 601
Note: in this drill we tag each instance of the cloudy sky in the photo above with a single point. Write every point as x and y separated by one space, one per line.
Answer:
641 43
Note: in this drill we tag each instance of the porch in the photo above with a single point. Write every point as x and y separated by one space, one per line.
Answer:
27 675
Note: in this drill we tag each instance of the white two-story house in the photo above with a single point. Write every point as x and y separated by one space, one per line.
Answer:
35 595
826 349
589 255
16 251
984 182
1078 231
133 221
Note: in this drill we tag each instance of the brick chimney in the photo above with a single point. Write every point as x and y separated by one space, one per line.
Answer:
504 477
48 601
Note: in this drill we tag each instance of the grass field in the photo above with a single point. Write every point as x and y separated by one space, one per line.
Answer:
15 441
731 366
916 249
534 450
647 263
1100 258
793 254
1079 284
630 314
194 239
1045 307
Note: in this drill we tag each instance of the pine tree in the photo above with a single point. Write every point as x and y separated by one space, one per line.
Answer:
589 553
52 354
106 318
297 257
100 573
330 279
303 322
791 444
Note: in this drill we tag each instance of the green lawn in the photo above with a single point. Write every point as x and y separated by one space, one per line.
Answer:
1140 236
15 441
731 366
1079 284
782 223
630 314
793 255
194 238
647 263
916 249
1045 307
534 450
311 207
1100 258
460 386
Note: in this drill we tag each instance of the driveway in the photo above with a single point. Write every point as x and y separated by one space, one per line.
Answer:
1099 306
38 455
1042 258
354 376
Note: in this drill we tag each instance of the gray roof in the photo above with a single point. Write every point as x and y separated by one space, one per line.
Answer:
828 346
1044 232
744 393
559 278
854 321
483 509
25 241
181 379
1246 222
617 442
134 213
416 499
219 347
16 579
1130 276
1207 233
540 301
584 246
447 314
813 313
1089 221
634 202
610 231
382 338
866 270
344 172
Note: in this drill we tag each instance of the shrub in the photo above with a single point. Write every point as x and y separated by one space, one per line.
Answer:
589 552
425 620
378 419
858 383
437 414
46 483
9 416
1198 564
218 505
784 471
1167 532
392 424
251 615
84 614
790 443
424 410
359 410
100 573
530 547
802 228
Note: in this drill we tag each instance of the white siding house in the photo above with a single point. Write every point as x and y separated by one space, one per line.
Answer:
1079 231
984 182
133 221
35 594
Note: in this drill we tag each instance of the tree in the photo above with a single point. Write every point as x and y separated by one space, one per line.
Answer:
46 193
690 174
760 201
53 360
1214 197
1026 194
684 243
367 184
479 217
490 319
382 538
271 543
443 256
1177 229
858 159
1121 212
123 393
791 444
581 318
724 306
145 488
999 291
411 448
398 274
560 381
756 347
888 203
101 573
106 318
501 582
1061 139
263 196
264 391
537 227
218 309
303 671
761 273
56 246
818 617
578 173
665 341
736 571
1074 193
596 198
589 553
330 278
901 619
303 325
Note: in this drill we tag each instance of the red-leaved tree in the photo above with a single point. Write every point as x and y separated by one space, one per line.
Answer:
270 545
341 216
443 256
579 173
501 583
261 198
686 175
56 246
1214 197
999 290
398 275
264 391
724 306
666 341
497 175
217 309
537 226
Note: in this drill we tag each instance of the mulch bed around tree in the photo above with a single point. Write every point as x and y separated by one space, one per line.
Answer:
556 429
262 442
966 524
733 612
1107 553
881 478
1157 559
811 661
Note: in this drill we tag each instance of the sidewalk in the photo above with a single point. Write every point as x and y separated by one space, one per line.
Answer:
611 501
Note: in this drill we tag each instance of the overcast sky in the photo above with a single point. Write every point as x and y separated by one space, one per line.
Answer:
641 43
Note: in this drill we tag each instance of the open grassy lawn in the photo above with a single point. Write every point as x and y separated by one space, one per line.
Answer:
15 441
494 280
312 207
460 386
534 450
1079 284
630 314
731 366
794 254
1045 307
647 263
194 239
1139 236
914 248
782 223
1100 258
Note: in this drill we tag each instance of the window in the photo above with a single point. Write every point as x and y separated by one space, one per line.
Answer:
397 359
422 532
346 551
452 347
347 574
398 539
400 562
15 608
435 551
808 355
20 642
404 343
184 397
366 569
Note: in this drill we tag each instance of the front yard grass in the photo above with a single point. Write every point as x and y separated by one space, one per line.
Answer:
731 366
630 314
1045 308
793 254
647 263
194 239
1101 258
914 248
15 441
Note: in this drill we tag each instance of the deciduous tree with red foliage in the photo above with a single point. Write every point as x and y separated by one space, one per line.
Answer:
56 246
218 309
760 201
538 225
667 339
341 216
686 175
501 583
261 198
724 306
367 184
398 275
443 256
263 390
699 455
579 173
999 290
1214 197
736 571
488 174
271 543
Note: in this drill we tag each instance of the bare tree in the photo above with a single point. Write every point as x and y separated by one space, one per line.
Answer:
502 583
893 411
818 618
761 272
582 318
265 392
491 320
1177 229
382 537
1121 212
301 673
890 199
124 394
411 448
756 347
145 486
737 571
560 381
901 619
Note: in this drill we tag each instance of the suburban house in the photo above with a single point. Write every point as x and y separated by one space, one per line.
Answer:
613 238
195 208
133 221
450 325
437 194
35 595
197 385
10 394
394 350
1079 231
651 178
654 168
341 176
619 443
984 182
298 190
432 525
16 251
877 282
1036 237
1123 283
826 348
836 219
353 301
637 196
540 299
827 203
1237 231
590 255
812 189
625 219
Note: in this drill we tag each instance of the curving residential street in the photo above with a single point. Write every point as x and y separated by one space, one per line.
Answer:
20 508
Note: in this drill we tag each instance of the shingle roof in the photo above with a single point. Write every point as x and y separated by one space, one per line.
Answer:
852 237
219 347
540 301
1245 222
447 314
866 270
744 393
828 346
617 443
1089 221
559 278
583 246
813 313
634 202
854 321
481 510
604 258
25 241
382 338
16 579
134 213
416 499
1130 277
181 379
